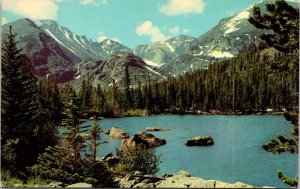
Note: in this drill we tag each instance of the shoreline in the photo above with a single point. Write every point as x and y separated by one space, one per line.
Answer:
181 179
194 113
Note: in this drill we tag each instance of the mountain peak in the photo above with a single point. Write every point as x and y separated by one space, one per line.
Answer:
109 41
22 22
46 22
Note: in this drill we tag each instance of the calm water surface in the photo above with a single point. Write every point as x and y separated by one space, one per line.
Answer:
236 155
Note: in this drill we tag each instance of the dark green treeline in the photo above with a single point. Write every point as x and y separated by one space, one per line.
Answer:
251 82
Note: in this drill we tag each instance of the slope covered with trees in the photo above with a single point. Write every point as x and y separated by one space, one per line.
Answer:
250 83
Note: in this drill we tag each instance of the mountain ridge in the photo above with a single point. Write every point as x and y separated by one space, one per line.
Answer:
56 51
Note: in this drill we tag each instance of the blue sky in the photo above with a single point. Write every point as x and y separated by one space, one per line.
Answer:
132 22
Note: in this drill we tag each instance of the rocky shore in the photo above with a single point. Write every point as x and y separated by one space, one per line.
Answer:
182 179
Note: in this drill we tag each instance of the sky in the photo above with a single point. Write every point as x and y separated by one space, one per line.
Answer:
131 22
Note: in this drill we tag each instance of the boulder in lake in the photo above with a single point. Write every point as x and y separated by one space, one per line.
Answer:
200 141
143 138
118 133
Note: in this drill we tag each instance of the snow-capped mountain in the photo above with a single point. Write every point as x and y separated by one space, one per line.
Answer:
110 47
231 35
48 57
55 50
80 46
58 52
162 52
228 38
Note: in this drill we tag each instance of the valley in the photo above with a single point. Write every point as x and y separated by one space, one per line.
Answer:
204 95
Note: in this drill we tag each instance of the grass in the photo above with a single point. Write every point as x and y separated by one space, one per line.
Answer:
12 182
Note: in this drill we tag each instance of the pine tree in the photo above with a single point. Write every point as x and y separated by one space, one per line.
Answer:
94 140
284 24
128 95
24 131
74 140
283 20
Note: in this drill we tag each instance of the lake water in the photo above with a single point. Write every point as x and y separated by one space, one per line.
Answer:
236 155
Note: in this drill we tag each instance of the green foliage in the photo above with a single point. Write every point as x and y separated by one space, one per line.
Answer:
34 182
95 139
139 159
127 91
24 130
56 164
283 20
281 144
136 112
293 182
8 180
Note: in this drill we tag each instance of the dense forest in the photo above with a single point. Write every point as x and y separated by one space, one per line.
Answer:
249 83
32 111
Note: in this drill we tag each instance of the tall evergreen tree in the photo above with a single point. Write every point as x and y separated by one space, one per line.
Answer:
74 140
94 140
128 95
283 20
23 128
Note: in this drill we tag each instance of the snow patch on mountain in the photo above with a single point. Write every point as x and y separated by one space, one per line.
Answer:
155 72
231 25
53 36
169 46
220 54
151 63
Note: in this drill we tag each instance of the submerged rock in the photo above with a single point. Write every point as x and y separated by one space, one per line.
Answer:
115 132
200 141
143 138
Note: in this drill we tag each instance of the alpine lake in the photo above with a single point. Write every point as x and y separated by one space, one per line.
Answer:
236 155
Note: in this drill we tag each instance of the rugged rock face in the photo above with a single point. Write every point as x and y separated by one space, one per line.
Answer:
118 133
47 56
162 52
143 138
112 71
200 141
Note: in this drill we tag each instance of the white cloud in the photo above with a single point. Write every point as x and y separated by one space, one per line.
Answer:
180 7
3 21
154 32
102 37
174 30
33 9
94 2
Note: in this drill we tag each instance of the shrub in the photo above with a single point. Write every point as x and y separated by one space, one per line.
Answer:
10 181
139 159
56 164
